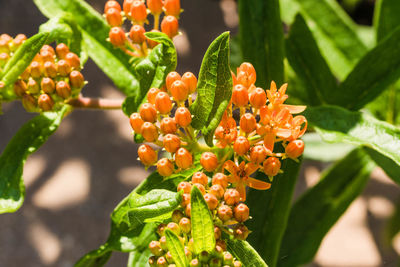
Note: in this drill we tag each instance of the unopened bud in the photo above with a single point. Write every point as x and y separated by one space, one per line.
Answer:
171 78
185 225
194 263
36 70
258 154
174 228
48 85
29 103
188 210
63 68
155 248
171 143
183 158
258 98
169 26
215 262
179 91
165 167
32 86
241 212
271 166
148 112
231 196
162 262
117 37
73 60
138 12
240 232
153 261
50 69
241 145
20 88
176 216
183 116
185 186
147 155
127 7
221 179
172 7
248 123
113 17
190 81
155 6
47 55
168 125
63 89
246 74
204 256
112 4
295 149
211 200
217 232
217 190
4 57
225 213
209 161
201 188
151 95
163 103
240 96
185 199
62 50
76 79
200 178
149 132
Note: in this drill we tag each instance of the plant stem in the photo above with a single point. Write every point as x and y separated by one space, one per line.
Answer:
95 103
391 105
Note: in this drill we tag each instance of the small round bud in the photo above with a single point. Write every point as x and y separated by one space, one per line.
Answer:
169 26
188 254
29 103
271 166
163 239
147 155
204 256
190 81
155 248
4 48
169 258
246 74
160 230
151 95
136 122
258 98
217 190
179 91
148 112
149 132
188 209
32 86
185 186
231 196
183 117
241 212
295 149
76 79
153 261
36 70
62 50
211 200
200 187
26 74
127 7
240 96
165 167
217 232
222 244
47 55
209 161
112 4
200 178
48 85
237 264
63 89
174 228
113 17
117 37
171 143
185 225
171 78
194 263
225 213
20 88
172 7
163 103
240 232
19 40
48 49
248 123
258 154
162 262
50 69
228 258
221 179
137 34
73 60
185 199
150 42
241 145
155 6
168 125
138 12
177 215
63 68
4 57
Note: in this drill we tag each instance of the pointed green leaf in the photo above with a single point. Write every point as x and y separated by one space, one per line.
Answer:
139 258
261 36
214 88
386 17
20 61
26 141
202 223
176 249
389 166
321 206
305 58
245 253
269 216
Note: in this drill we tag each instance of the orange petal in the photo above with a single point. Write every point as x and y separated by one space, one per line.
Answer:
250 168
233 179
283 88
298 121
241 188
283 115
257 184
295 109
283 132
231 167
273 87
269 140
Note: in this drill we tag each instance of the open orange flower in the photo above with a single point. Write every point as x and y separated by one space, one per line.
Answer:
226 132
240 177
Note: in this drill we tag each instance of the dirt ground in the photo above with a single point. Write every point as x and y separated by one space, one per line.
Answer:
76 178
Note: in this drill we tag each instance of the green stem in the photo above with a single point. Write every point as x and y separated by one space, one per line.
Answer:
391 105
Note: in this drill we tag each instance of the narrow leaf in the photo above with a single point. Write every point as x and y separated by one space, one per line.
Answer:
202 223
270 211
26 141
321 206
176 249
389 166
139 258
245 253
305 58
386 17
261 36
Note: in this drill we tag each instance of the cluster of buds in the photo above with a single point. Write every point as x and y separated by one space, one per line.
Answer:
8 46
136 11
52 78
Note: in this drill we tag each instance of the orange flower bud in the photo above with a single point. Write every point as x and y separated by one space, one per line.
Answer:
200 178
147 155
163 103
179 91
136 122
4 48
117 37
149 132
36 70
169 26
195 263
127 7
148 112
150 42
241 145
73 60
228 258
186 198
190 81
76 79
162 262
177 215
241 212
47 48
171 78
171 143
248 123
32 86
152 261
47 55
26 74
112 4
29 103
165 167
185 225
155 6
217 232
174 228
151 95
221 179
20 88
217 190
258 154
50 69
4 57
172 7
168 125
211 200
231 196
185 186
200 187
209 161
183 116
240 232
188 210
295 149
225 213
113 17
19 39
48 85
63 68
45 102
258 98
240 96
155 248
271 166
138 12
63 89
246 74
183 158
137 34
62 50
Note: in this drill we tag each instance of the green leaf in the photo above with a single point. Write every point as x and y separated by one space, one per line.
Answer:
269 216
114 63
202 223
139 258
372 75
176 249
26 141
305 58
386 18
214 88
95 258
20 61
336 124
261 36
245 253
389 166
321 206
152 71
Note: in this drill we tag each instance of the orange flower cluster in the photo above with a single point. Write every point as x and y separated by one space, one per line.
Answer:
136 11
